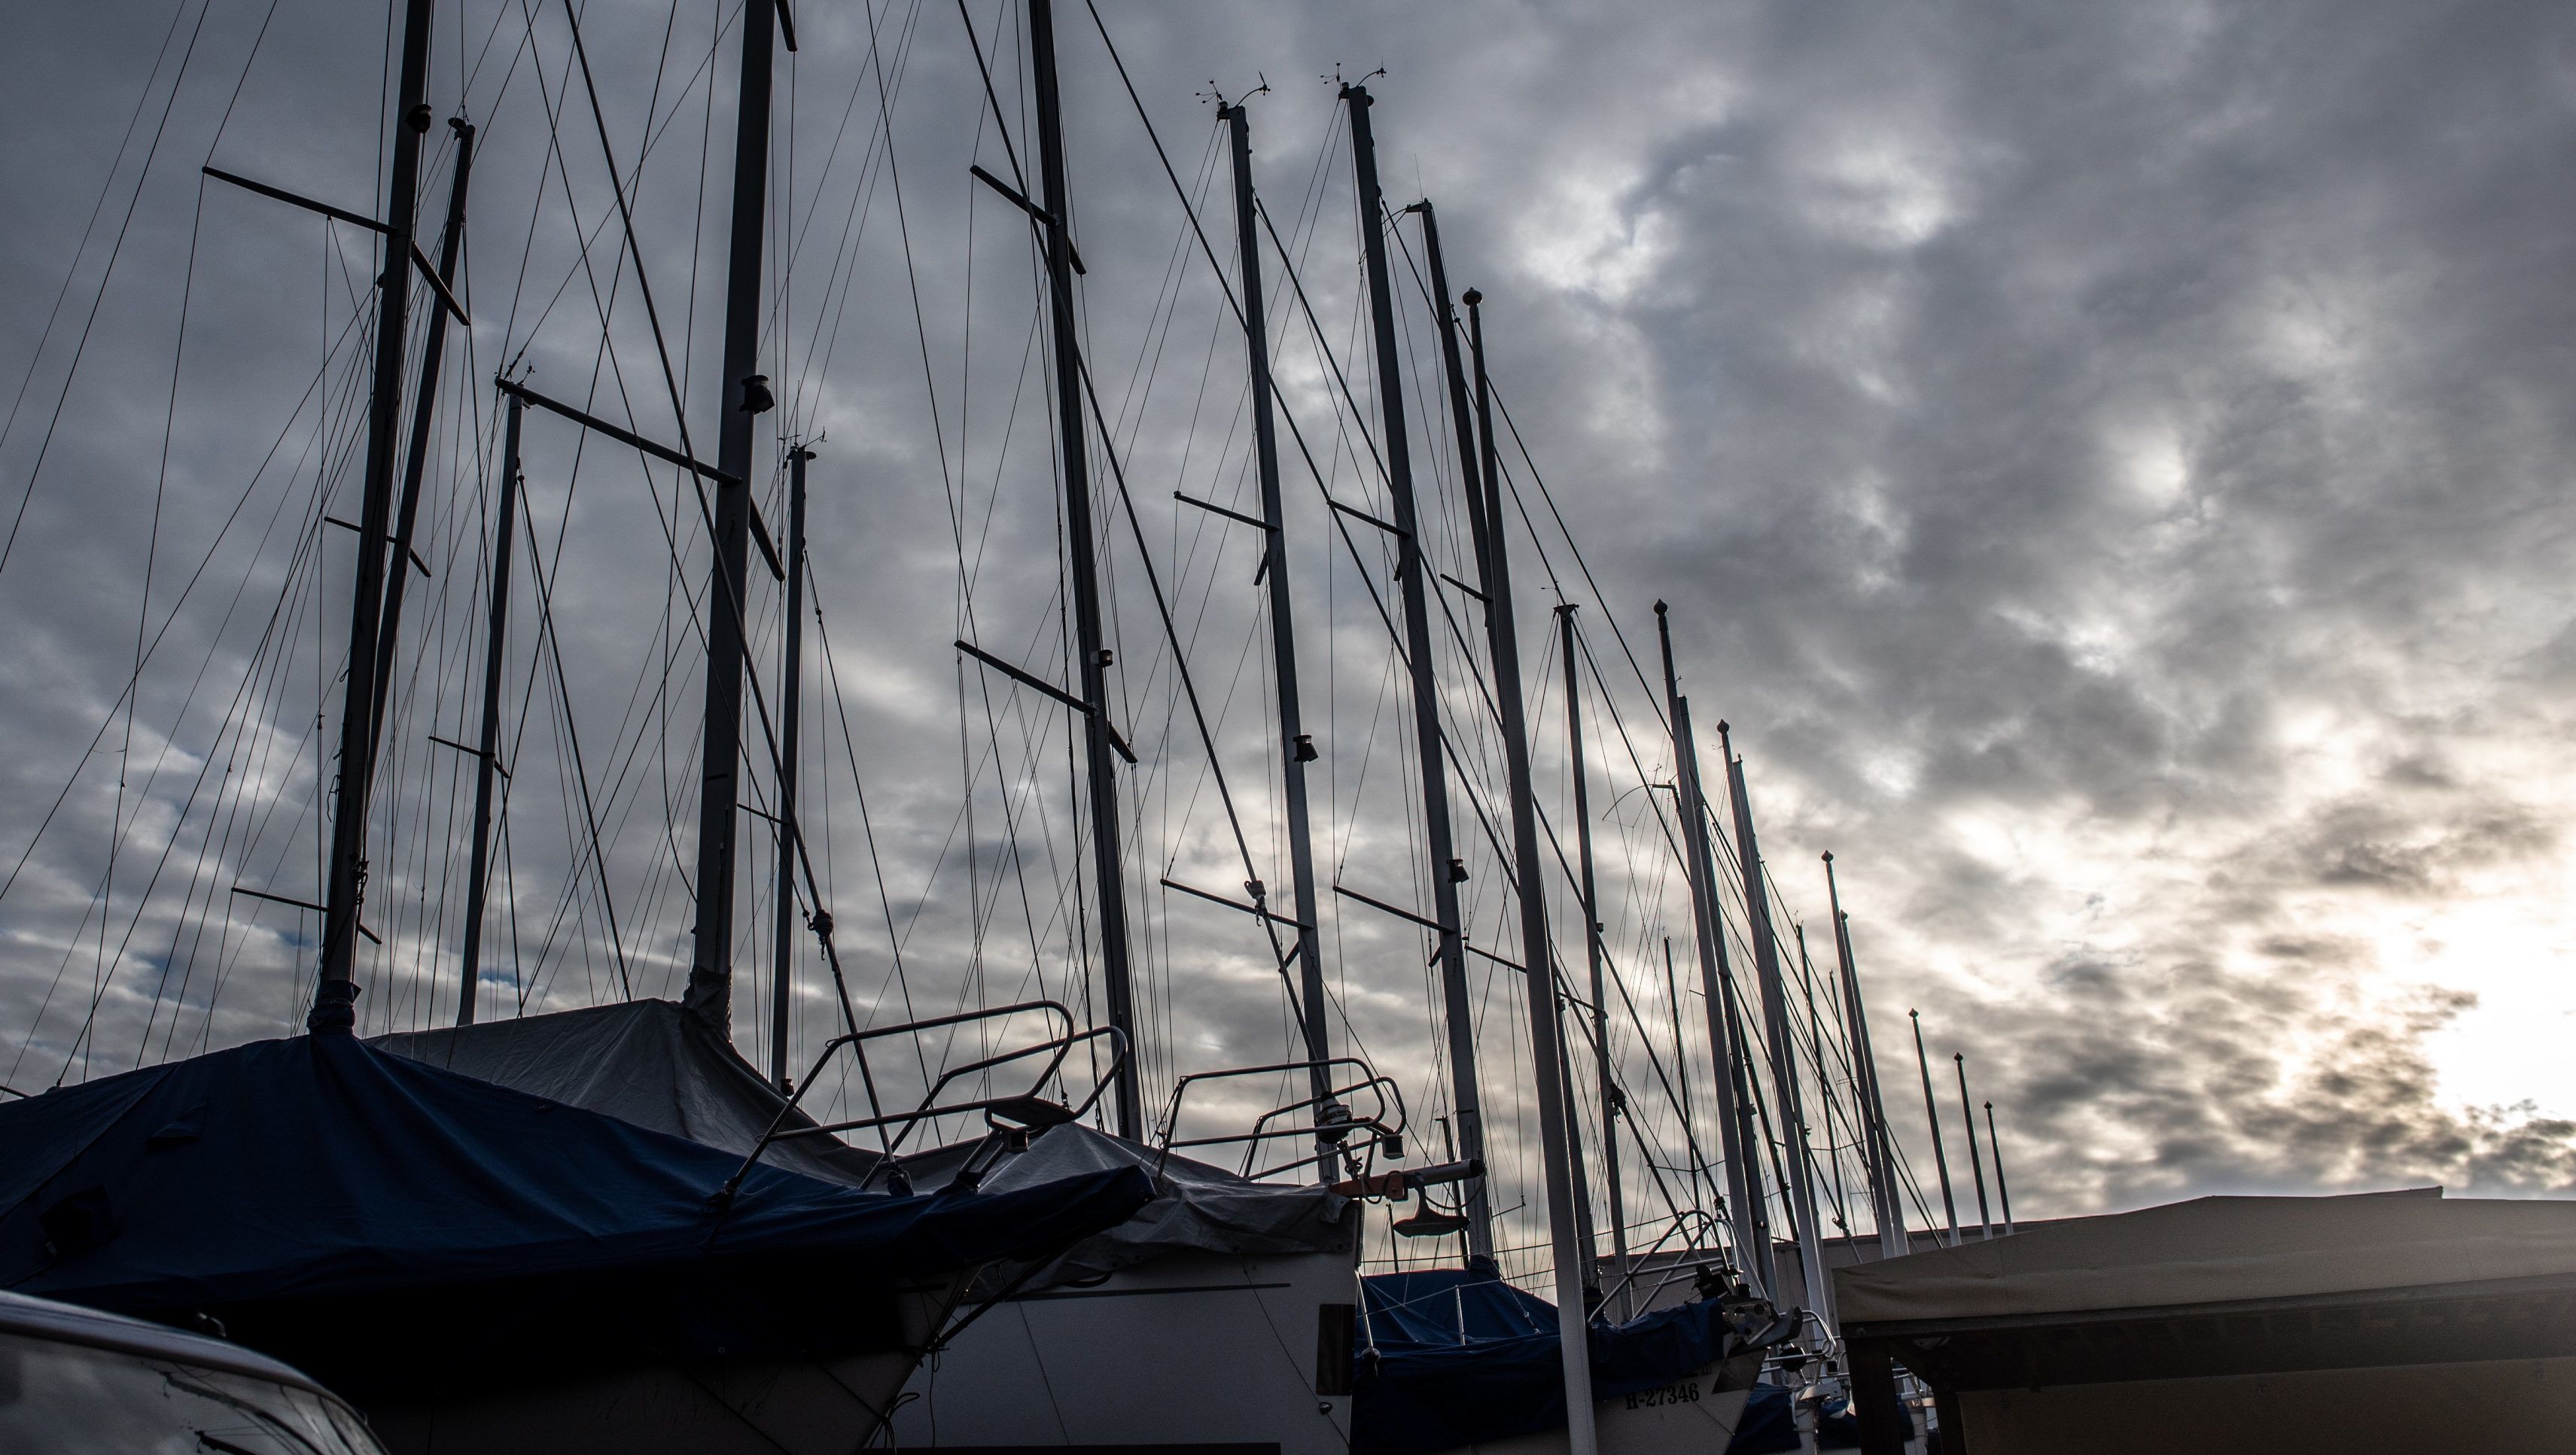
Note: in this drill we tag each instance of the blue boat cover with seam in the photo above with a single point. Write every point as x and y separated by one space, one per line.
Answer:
392 1227
1450 1357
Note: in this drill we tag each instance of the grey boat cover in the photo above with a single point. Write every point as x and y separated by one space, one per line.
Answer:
1196 1206
651 1063
2221 1250
647 1062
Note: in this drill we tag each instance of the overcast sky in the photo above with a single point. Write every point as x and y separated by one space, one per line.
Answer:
2107 465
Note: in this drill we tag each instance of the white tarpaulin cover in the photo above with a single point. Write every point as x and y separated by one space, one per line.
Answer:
2219 1250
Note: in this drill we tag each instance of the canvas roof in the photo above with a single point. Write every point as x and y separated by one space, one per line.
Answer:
2214 1250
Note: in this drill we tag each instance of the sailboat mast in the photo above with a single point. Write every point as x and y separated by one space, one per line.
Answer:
1932 1114
1296 748
1476 472
1995 1145
1568 1236
1466 1105
1101 771
1885 1208
1745 1222
1681 1072
487 745
1454 373
791 671
745 393
1976 1163
1590 907
433 352
335 998
1782 1040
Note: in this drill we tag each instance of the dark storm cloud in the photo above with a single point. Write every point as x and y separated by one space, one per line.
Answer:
2055 428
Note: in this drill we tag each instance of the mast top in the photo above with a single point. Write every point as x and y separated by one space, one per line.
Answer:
1228 110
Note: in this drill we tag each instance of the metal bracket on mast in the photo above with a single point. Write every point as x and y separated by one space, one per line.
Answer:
626 437
759 528
1039 684
1212 508
1364 518
1252 909
1040 215
419 260
354 528
372 937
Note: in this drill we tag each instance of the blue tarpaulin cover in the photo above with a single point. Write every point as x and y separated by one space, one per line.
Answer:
391 1226
1769 1425
1450 1357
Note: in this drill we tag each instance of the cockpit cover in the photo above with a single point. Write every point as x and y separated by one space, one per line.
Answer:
1450 1357
1196 1206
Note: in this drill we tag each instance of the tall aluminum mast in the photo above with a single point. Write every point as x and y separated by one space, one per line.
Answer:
335 998
1611 1108
791 662
1296 748
1746 1221
1887 1211
1083 574
1932 1114
1466 1104
1783 1043
1568 1235
746 395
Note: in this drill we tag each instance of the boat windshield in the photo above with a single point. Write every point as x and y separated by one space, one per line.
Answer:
71 1399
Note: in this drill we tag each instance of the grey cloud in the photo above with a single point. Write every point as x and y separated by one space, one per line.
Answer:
2038 417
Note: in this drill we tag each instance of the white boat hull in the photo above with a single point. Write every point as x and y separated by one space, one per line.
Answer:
1191 1348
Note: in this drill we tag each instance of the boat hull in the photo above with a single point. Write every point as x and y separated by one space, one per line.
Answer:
751 1406
1192 1348
1695 1415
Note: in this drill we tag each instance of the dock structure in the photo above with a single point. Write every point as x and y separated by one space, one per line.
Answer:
2379 1321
